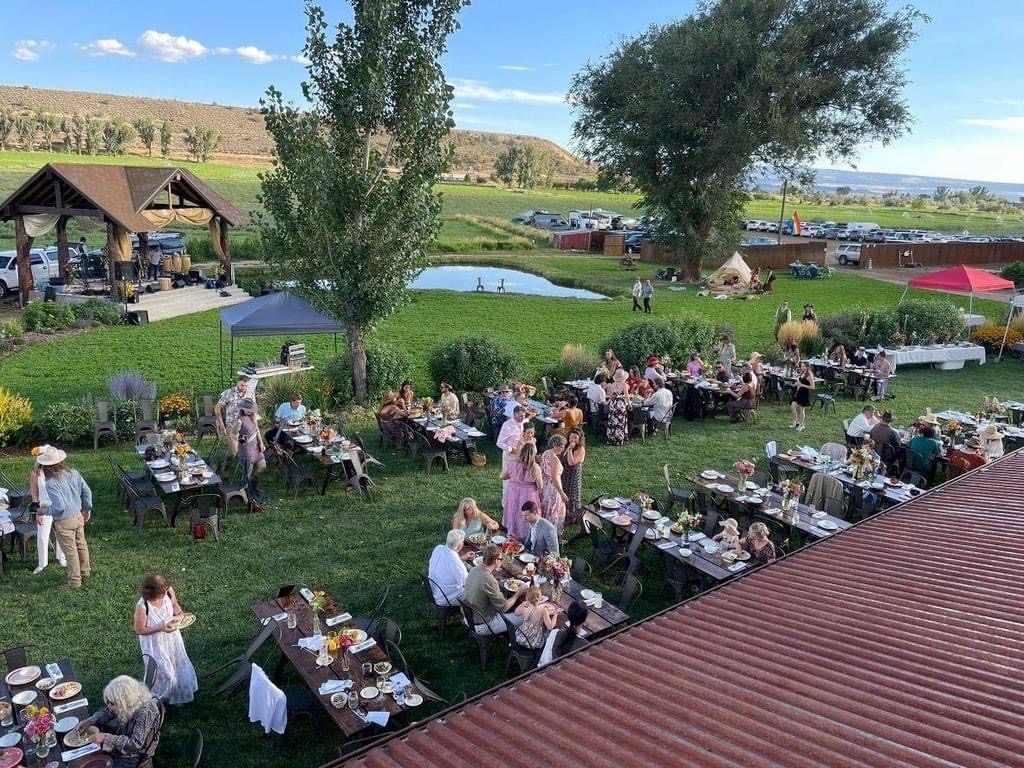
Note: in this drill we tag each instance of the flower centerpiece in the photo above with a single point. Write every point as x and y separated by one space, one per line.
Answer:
791 492
745 469
181 452
993 407
510 549
317 605
559 568
862 463
326 435
686 522
39 726
644 501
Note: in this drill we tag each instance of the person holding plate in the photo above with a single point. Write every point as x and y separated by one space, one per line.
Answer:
129 723
159 638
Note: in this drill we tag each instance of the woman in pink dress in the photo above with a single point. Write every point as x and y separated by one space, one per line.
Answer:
552 495
524 484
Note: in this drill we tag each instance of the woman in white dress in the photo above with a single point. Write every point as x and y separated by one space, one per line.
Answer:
175 676
37 488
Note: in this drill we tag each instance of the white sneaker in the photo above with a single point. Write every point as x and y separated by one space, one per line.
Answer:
63 563
38 570
793 425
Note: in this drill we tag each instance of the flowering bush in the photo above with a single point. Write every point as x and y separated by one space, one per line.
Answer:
131 385
15 415
175 405
991 337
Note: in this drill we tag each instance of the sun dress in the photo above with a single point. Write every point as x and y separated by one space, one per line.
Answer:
551 504
175 676
532 632
572 482
521 489
618 416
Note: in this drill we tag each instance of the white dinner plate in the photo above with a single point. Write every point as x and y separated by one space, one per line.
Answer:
498 539
164 477
828 525
709 474
369 692
303 439
413 699
158 464
652 514
609 504
725 488
11 739
587 594
526 557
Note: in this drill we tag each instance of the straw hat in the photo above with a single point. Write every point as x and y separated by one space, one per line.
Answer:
929 419
48 456
973 442
991 432
620 375
730 525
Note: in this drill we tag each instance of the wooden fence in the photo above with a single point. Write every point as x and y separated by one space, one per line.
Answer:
939 254
757 256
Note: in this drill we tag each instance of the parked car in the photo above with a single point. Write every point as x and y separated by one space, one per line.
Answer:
848 253
773 226
547 220
874 236
759 241
43 262
523 217
830 233
752 225
634 242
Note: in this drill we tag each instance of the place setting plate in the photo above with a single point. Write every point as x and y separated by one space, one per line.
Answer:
182 621
8 740
66 691
164 477
827 525
303 439
499 540
526 557
369 692
413 699
159 464
652 514
75 739
23 675
609 504
709 474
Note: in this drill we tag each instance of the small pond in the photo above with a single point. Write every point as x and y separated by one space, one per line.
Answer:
466 279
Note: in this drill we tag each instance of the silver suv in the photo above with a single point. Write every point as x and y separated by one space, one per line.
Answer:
848 253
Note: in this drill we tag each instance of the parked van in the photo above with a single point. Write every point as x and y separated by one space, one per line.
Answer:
547 220
848 253
44 266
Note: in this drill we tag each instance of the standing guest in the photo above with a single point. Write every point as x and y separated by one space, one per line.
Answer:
154 258
859 358
251 449
470 519
882 369
553 496
448 402
611 362
862 424
175 676
695 367
83 248
293 410
483 594
809 313
648 292
923 450
66 499
886 440
524 484
755 279
541 537
500 401
226 412
596 394
509 442
726 354
783 315
760 547
742 397
838 356
638 291
635 380
802 396
129 723
568 414
992 441
406 393
572 468
447 570
37 490
660 403
538 619
618 409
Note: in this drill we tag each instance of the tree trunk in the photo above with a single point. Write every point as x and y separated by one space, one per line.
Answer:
62 248
357 352
24 245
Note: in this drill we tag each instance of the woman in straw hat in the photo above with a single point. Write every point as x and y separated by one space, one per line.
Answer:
992 441
729 538
66 499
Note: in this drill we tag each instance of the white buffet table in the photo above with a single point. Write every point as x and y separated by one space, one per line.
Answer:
947 357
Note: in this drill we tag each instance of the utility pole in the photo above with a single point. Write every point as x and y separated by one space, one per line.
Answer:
782 211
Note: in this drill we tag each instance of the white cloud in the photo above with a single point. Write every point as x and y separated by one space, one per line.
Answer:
1005 102
170 48
29 50
515 68
298 59
108 46
474 89
254 55
463 105
1012 124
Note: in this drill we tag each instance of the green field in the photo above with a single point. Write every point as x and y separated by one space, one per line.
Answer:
354 548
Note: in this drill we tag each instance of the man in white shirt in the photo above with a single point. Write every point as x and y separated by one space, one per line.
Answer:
509 439
654 371
520 400
862 424
447 571
596 394
660 403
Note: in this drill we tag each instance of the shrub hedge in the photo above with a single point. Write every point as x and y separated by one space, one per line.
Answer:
675 337
386 367
474 363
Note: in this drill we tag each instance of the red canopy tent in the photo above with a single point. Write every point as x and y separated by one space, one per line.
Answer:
962 280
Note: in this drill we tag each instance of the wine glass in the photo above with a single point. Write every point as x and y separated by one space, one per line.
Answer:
353 700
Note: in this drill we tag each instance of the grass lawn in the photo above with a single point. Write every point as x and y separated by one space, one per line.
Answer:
354 548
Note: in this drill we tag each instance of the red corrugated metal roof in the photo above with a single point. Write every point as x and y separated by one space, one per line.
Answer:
897 643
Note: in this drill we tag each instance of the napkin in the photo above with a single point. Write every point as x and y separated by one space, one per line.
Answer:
360 647
818 515
311 643
399 678
666 544
737 566
61 708
338 619
475 433
335 686
276 617
377 718
696 536
306 593
74 754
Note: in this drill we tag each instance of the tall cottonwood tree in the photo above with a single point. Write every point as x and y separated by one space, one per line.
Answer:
686 111
350 201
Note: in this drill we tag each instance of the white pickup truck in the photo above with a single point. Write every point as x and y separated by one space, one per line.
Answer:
44 266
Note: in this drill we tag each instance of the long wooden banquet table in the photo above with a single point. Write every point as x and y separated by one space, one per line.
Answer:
199 478
60 756
314 676
338 454
463 437
892 491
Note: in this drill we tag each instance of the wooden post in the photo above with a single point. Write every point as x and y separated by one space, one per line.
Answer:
225 246
62 248
23 243
113 254
143 255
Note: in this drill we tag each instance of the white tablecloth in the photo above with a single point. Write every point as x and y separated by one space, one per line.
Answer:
973 321
947 357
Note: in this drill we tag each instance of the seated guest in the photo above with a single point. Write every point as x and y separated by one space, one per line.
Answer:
447 571
862 424
500 401
406 393
721 374
660 403
654 370
695 367
755 367
483 594
729 538
634 380
757 543
538 619
448 402
568 413
570 637
392 415
924 449
521 399
129 723
882 369
838 356
541 536
859 358
596 394
611 362
886 440
970 456
992 441
293 410
742 397
470 519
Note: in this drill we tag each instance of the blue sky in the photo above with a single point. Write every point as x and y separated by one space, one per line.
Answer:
511 63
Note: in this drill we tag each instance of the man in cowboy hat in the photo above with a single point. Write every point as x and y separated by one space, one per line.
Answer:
886 440
992 441
68 502
969 456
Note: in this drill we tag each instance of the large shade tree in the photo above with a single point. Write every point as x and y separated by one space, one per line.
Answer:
688 110
350 198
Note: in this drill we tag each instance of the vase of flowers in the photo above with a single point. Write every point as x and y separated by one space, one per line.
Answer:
316 606
791 491
862 463
745 470
39 727
686 522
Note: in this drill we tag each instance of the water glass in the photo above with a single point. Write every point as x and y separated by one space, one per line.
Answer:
353 700
400 694
345 662
598 600
292 620
367 670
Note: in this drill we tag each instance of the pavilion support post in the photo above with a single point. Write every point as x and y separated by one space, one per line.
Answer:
143 255
63 254
225 247
23 243
113 253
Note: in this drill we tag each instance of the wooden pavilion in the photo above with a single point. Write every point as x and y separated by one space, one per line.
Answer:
127 198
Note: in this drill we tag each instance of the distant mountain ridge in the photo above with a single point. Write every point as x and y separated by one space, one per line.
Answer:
865 183
243 135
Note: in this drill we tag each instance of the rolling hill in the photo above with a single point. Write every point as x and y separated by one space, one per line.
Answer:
243 136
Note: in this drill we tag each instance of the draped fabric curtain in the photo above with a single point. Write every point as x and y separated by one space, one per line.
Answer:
215 241
161 217
38 224
124 244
